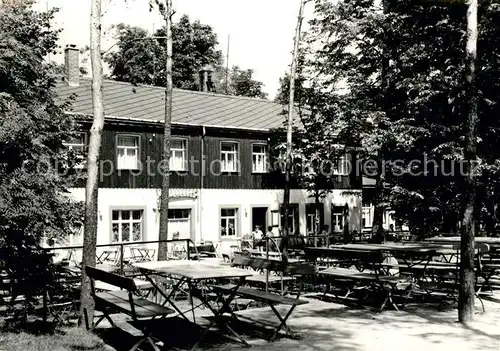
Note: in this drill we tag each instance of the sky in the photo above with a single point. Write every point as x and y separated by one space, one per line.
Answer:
261 31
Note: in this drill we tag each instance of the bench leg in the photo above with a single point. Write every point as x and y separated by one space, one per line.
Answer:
86 318
388 298
101 318
482 303
98 321
149 340
283 323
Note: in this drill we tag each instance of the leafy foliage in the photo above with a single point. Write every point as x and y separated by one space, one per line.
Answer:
33 203
141 59
241 83
315 152
397 75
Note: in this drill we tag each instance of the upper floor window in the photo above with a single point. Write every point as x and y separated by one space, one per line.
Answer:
77 145
127 225
259 158
341 166
128 151
178 155
229 156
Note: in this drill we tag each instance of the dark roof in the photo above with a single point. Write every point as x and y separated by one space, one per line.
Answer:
147 103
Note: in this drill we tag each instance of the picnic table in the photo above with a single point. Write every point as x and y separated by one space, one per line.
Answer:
192 273
492 242
409 254
258 253
370 273
375 259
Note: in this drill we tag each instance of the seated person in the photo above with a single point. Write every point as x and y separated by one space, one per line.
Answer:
257 237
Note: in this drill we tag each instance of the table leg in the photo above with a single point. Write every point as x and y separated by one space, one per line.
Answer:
190 288
219 313
165 296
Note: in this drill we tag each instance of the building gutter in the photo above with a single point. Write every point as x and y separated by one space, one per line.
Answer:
160 123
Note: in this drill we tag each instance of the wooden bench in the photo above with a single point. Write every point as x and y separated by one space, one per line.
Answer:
296 269
125 301
369 272
345 258
490 266
442 279
390 285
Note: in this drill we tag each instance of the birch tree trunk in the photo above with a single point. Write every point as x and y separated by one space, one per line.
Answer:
92 186
288 166
378 233
467 288
167 130
317 219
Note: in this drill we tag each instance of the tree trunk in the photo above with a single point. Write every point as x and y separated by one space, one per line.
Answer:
345 230
467 289
92 186
163 234
291 107
317 220
317 215
378 214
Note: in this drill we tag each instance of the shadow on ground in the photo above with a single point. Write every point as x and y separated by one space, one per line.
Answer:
171 332
326 326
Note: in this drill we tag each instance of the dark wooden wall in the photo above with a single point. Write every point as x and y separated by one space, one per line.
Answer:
151 147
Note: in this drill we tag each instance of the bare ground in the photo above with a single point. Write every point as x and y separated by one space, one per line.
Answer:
332 326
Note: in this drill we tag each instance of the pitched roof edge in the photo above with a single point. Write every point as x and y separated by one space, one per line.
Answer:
155 122
157 87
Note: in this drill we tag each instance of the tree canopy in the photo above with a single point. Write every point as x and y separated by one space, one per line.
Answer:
141 59
241 83
33 181
395 76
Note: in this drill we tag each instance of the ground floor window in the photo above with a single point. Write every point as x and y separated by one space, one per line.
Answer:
178 213
367 215
127 225
179 223
228 222
337 218
387 220
293 219
312 219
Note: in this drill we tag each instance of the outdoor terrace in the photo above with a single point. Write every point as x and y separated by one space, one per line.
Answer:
359 296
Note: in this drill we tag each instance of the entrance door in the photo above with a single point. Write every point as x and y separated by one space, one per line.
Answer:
259 217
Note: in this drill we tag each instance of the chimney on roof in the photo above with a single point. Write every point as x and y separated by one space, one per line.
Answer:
72 65
206 79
